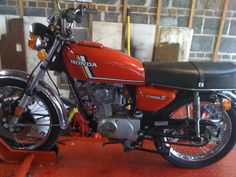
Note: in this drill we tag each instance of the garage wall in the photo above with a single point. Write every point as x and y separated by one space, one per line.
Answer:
174 13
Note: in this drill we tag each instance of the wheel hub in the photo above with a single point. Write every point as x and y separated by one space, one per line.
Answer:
8 108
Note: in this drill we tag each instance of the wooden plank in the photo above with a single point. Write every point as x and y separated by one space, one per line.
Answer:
124 20
128 34
192 13
218 42
12 49
21 8
168 52
55 6
90 25
158 18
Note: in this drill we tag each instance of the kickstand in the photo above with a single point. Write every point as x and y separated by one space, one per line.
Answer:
55 149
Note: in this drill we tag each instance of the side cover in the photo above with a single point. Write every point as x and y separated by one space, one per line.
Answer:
92 61
152 99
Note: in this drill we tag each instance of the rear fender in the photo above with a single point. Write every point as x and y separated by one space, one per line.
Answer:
42 87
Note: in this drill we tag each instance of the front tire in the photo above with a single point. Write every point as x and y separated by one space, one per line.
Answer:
39 111
186 157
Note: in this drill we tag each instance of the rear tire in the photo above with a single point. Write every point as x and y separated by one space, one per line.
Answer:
179 161
54 131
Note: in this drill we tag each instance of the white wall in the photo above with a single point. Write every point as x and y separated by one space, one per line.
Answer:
180 35
3 29
142 38
109 34
31 55
142 41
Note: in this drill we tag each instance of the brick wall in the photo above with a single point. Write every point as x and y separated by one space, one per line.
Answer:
174 13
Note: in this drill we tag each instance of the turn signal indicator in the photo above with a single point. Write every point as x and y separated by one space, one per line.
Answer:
42 55
226 103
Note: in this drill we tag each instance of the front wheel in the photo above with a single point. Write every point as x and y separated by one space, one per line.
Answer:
218 129
33 130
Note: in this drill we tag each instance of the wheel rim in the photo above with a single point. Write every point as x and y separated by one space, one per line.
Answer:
219 136
27 138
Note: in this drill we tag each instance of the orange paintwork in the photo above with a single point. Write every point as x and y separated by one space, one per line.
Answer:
91 44
152 98
102 64
89 61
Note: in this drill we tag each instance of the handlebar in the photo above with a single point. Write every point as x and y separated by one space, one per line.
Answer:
66 17
76 15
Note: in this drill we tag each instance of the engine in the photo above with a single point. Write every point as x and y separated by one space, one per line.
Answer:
109 105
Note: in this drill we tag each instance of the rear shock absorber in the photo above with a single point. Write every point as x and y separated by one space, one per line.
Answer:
197 113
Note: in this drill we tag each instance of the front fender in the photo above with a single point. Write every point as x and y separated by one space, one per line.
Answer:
42 87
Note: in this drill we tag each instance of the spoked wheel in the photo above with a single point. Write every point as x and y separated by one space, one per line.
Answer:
33 130
218 128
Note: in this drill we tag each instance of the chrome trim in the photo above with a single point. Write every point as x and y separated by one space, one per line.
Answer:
45 89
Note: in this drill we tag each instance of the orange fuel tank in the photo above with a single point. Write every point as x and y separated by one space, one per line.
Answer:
93 62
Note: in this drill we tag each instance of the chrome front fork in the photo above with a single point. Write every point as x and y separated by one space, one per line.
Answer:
34 83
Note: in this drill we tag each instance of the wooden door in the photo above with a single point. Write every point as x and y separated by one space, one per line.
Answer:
12 48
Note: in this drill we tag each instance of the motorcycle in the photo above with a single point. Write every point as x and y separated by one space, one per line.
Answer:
187 109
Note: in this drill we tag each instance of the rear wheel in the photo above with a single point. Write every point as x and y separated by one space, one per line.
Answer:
33 130
218 129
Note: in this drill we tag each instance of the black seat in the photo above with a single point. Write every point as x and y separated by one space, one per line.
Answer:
192 75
